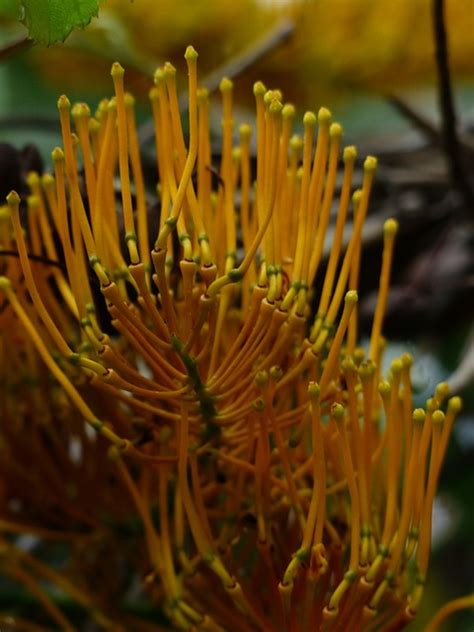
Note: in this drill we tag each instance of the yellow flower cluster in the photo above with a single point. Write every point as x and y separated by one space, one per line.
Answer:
281 482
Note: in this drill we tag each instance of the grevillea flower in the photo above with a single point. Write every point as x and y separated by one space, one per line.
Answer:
280 481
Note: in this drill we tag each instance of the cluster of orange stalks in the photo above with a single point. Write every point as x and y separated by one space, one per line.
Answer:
241 456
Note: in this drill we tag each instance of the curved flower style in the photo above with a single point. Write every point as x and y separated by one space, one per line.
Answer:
279 481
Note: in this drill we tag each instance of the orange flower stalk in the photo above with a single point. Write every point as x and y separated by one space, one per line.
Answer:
279 481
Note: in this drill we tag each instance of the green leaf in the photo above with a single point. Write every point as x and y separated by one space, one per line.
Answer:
9 9
50 21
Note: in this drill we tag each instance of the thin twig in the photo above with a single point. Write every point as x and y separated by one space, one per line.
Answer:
463 376
427 128
451 143
232 69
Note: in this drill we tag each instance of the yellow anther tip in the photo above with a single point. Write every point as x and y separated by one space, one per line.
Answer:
335 131
350 154
153 93
259 89
191 54
419 415
324 115
288 111
438 417
63 102
314 389
226 85
5 284
407 360
309 119
13 199
112 105
390 227
117 70
351 296
455 404
370 163
202 94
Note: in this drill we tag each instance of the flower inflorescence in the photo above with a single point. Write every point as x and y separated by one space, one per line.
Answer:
282 482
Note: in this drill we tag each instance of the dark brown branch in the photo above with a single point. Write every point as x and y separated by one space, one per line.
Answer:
14 48
38 258
451 143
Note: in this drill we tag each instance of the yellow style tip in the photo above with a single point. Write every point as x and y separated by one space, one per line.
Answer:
442 390
129 100
5 284
158 76
117 70
32 202
335 131
396 367
13 199
275 107
47 180
226 85
370 164
245 131
259 89
324 115
57 154
314 390
191 54
63 103
296 142
202 94
438 417
384 388
348 364
407 360
337 411
390 227
419 416
351 297
32 179
169 69
288 111
80 110
455 404
309 119
356 197
153 93
350 154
